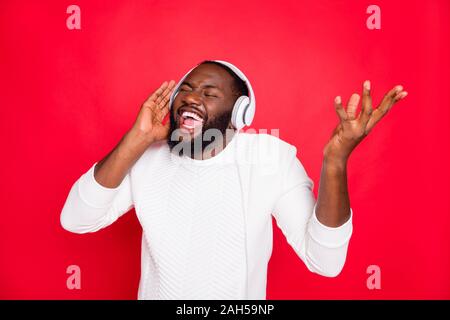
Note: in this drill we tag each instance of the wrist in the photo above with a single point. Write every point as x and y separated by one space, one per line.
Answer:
335 162
134 142
136 137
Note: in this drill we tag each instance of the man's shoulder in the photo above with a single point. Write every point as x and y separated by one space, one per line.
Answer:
264 149
264 142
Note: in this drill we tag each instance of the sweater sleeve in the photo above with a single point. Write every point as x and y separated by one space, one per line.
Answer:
90 206
323 249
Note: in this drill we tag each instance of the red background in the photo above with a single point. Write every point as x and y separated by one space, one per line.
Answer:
67 96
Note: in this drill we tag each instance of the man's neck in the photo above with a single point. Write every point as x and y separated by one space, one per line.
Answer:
214 148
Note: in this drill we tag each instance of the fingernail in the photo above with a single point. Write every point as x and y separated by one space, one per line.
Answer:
337 99
367 85
399 88
404 94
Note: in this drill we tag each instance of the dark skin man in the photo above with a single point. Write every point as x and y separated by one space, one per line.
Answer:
209 92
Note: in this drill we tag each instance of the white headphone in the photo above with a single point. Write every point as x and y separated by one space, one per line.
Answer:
244 107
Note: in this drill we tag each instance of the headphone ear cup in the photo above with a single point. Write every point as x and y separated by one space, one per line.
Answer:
249 113
239 111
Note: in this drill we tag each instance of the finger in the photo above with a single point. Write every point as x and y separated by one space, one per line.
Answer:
386 104
165 101
162 113
389 100
170 87
340 109
352 106
400 96
157 92
162 96
366 103
166 93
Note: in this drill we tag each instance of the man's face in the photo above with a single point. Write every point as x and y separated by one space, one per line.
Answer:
205 101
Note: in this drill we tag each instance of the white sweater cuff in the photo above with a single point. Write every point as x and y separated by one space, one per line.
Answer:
328 236
93 193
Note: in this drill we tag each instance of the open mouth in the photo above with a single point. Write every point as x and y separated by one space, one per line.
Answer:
190 121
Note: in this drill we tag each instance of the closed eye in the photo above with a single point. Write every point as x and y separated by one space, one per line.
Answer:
206 94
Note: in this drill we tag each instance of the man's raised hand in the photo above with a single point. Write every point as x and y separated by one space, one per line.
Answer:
353 128
148 123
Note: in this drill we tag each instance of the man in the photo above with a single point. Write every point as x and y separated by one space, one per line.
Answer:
205 208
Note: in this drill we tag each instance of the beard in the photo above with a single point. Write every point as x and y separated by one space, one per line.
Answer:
197 145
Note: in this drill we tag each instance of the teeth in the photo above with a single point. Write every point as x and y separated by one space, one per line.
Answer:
192 115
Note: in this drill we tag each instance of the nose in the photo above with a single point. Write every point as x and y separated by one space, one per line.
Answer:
191 97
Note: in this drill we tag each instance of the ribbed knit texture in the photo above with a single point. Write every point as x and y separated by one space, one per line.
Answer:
207 224
197 213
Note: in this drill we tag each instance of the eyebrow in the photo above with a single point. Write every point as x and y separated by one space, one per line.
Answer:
205 86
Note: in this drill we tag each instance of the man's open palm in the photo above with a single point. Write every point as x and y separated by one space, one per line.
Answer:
353 128
153 111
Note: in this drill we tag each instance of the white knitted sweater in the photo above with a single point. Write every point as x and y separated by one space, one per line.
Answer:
207 228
